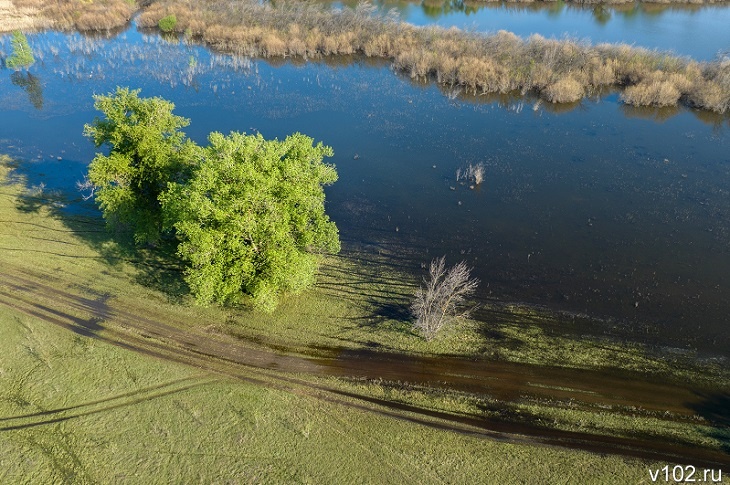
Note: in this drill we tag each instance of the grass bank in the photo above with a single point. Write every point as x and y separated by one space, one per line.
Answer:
76 409
561 71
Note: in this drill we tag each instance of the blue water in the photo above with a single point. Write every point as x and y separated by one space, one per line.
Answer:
617 213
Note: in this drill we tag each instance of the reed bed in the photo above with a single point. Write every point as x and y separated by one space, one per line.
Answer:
81 15
561 71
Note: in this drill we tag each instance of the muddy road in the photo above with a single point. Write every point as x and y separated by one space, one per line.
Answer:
627 393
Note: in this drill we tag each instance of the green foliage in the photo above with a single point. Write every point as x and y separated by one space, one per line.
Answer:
167 24
148 151
249 212
251 218
22 56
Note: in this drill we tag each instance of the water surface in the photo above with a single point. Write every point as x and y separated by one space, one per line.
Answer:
616 213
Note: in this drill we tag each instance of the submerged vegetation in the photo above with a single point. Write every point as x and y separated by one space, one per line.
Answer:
559 70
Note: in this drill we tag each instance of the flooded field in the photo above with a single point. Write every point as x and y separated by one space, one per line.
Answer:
607 211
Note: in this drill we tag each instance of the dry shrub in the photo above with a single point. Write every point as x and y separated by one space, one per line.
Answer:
415 62
446 69
564 90
378 46
272 45
442 297
651 93
346 43
708 95
296 45
602 72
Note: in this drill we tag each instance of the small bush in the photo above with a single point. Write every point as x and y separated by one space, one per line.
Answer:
441 300
564 90
651 93
167 24
22 55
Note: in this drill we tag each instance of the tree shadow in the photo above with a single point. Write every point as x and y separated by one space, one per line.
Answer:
157 268
715 409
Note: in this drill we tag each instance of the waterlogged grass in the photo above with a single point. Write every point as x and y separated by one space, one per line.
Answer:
568 415
357 303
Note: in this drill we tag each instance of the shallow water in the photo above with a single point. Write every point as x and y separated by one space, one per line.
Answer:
617 213
701 32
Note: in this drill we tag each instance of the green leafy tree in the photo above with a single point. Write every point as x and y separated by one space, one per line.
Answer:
251 218
147 151
22 56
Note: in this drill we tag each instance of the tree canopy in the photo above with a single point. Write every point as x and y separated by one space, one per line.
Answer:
22 56
147 151
251 219
248 212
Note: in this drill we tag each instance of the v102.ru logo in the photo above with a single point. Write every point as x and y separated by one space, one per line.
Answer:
685 474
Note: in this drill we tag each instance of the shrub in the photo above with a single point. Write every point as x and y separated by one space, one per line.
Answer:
167 24
651 93
22 56
441 300
564 90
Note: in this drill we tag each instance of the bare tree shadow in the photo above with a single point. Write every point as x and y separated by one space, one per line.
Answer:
715 409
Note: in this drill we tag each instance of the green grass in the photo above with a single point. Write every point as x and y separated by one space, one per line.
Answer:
110 415
132 418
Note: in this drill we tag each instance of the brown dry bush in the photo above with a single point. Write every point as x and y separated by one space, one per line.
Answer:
82 15
564 90
651 93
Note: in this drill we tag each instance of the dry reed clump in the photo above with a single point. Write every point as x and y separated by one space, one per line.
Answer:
82 15
564 90
561 71
651 93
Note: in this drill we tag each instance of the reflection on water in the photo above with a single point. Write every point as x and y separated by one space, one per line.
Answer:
613 212
700 31
31 85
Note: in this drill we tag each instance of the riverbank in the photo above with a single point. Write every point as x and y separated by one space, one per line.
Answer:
561 71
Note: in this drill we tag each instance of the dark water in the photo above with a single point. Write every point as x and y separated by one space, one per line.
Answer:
689 30
617 213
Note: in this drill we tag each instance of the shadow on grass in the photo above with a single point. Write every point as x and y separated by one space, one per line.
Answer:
157 267
715 408
100 406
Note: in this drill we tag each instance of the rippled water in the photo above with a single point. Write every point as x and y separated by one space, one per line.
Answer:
617 213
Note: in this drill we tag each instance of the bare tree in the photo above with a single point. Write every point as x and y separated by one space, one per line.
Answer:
442 299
